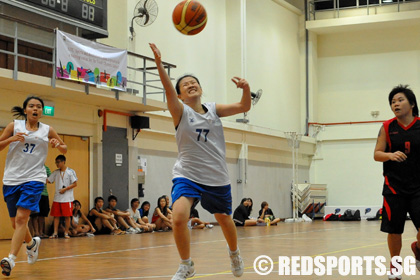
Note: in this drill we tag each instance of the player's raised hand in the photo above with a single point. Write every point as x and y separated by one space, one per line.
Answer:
156 53
240 83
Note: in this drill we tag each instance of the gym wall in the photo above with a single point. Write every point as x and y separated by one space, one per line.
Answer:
272 60
355 72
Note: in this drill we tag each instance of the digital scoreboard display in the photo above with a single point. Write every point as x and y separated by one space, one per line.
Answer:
90 12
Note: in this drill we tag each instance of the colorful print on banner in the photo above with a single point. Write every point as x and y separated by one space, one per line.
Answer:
85 61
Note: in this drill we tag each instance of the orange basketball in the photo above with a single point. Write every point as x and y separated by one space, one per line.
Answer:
189 17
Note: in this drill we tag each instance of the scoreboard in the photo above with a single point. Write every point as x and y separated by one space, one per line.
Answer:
88 14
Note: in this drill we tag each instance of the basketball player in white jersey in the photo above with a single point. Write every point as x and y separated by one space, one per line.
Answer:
24 174
200 172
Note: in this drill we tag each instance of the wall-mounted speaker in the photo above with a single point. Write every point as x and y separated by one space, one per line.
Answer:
139 122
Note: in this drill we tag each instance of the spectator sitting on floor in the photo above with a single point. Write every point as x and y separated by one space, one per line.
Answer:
103 222
169 207
168 203
78 228
144 211
266 212
135 215
195 222
241 214
161 216
123 217
250 204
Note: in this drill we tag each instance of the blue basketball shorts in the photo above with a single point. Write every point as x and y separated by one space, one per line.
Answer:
213 199
26 195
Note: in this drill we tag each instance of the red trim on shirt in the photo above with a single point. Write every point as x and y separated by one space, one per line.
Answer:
389 186
387 209
408 126
386 128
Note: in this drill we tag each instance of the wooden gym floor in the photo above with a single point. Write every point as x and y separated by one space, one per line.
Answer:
154 255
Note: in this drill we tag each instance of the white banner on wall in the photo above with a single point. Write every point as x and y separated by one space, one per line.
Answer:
86 61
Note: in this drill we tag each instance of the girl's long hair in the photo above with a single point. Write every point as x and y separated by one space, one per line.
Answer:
145 213
74 208
19 112
165 208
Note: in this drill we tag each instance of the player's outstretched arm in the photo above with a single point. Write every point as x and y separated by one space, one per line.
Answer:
225 110
174 106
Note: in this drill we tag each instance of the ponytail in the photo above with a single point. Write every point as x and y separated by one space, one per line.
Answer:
19 112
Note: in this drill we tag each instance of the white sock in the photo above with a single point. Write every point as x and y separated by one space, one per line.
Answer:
186 262
234 252
12 257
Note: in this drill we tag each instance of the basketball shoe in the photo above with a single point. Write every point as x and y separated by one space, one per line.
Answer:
184 271
236 263
7 264
33 251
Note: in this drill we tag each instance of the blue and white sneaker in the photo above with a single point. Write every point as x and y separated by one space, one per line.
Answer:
33 252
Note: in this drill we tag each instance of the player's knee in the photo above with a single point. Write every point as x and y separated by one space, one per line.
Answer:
179 221
20 221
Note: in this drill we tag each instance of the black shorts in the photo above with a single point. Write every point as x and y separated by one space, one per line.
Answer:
103 230
395 209
44 207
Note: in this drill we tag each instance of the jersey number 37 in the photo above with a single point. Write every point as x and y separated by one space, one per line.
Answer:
29 148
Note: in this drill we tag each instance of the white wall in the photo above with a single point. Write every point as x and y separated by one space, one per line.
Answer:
344 161
355 72
273 64
203 54
272 55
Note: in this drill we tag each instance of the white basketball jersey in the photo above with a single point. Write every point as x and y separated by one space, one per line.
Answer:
201 148
25 160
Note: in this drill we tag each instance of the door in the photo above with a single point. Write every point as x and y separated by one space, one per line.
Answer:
115 166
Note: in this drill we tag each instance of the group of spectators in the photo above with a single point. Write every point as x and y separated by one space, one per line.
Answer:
111 220
70 221
242 215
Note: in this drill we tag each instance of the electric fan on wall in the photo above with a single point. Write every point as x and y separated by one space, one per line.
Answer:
255 97
145 13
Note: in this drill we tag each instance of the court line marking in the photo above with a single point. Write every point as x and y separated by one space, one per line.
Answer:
321 254
228 272
159 276
173 245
